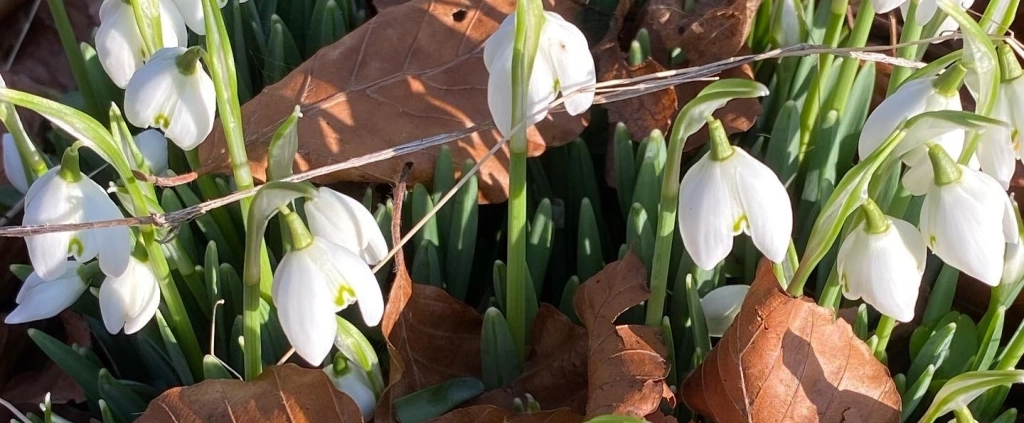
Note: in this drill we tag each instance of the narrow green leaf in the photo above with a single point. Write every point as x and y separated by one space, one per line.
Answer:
461 242
539 243
497 351
283 147
124 402
436 400
962 389
913 396
79 368
625 167
213 369
588 246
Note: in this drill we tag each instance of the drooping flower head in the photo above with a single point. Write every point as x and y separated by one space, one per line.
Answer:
129 301
119 44
563 64
342 220
14 168
172 92
39 299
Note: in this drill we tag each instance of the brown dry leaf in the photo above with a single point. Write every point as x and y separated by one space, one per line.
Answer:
492 414
287 393
641 114
567 9
714 30
626 364
414 71
431 336
556 370
786 359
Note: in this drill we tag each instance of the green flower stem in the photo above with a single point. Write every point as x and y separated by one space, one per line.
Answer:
529 21
69 166
208 189
221 63
300 236
35 164
911 32
848 69
963 415
882 334
830 293
875 221
75 59
812 104
945 169
999 27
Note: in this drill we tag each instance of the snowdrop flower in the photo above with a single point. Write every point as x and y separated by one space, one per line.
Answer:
926 11
173 92
563 64
315 280
14 168
129 301
728 192
721 306
882 261
911 99
342 220
350 379
1008 103
967 219
39 299
153 146
119 44
192 11
63 195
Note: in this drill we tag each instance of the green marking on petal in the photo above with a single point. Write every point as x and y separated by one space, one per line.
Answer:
162 121
738 225
346 296
75 247
931 241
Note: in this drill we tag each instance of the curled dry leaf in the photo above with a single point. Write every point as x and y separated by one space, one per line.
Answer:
641 114
492 414
786 359
626 364
414 71
556 370
431 336
281 394
713 30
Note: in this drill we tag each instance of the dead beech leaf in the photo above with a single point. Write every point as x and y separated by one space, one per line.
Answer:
713 30
626 365
641 114
786 359
556 370
492 414
414 71
431 336
287 393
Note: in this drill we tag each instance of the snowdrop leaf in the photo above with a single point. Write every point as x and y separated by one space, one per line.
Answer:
809 381
264 206
961 390
281 394
284 146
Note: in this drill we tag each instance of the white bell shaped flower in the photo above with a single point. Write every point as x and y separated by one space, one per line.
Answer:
192 11
1008 109
153 146
129 301
353 382
53 199
14 168
727 192
119 44
315 281
721 306
967 219
39 299
342 220
173 92
882 261
563 64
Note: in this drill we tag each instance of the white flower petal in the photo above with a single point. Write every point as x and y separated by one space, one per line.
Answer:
160 96
721 306
119 44
708 213
129 301
908 100
996 155
500 40
765 202
963 223
342 220
192 13
39 299
884 6
350 274
569 56
112 245
885 269
305 306
499 91
153 146
14 168
51 200
355 384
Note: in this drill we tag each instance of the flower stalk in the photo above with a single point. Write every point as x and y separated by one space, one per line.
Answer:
911 32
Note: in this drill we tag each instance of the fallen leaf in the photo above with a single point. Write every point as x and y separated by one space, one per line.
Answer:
431 336
712 30
287 393
567 9
641 114
786 359
626 364
412 72
492 414
556 370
